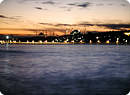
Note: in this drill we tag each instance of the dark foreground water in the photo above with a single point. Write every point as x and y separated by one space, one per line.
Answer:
65 69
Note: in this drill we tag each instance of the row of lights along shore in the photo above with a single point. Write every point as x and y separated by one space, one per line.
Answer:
45 42
75 35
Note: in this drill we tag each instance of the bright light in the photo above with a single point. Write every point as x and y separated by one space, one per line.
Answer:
7 37
1 93
27 41
98 41
126 33
128 1
128 93
107 41
90 41
81 41
72 41
97 37
117 42
45 41
40 41
1 1
33 41
53 41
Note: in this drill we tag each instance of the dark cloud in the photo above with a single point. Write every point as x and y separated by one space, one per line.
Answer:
110 4
66 8
100 4
39 8
17 16
123 5
2 16
82 5
63 7
69 9
56 24
45 23
63 25
23 1
49 2
4 22
110 26
72 4
115 26
45 9
85 23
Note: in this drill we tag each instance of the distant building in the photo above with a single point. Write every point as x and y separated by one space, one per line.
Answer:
41 34
75 32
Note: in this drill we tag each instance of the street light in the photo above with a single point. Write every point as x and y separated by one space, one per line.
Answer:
126 33
97 37
7 37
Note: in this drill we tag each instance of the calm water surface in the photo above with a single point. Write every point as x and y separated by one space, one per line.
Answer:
64 69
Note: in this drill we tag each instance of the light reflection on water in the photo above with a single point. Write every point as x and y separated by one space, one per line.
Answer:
65 69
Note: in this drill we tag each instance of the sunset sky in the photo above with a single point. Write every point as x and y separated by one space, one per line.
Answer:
29 16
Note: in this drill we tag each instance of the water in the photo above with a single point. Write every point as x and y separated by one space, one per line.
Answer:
65 69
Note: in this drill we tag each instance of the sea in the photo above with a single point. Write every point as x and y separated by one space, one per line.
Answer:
64 69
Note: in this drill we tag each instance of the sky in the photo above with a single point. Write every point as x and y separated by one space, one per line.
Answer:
60 16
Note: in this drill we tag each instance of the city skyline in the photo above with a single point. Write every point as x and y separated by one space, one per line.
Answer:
29 16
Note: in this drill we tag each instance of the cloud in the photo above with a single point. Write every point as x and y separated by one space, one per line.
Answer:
39 8
23 1
81 5
110 4
5 17
100 4
69 9
85 23
114 26
57 25
2 16
72 4
123 5
109 26
66 8
4 22
49 2
45 23
84 5
63 25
